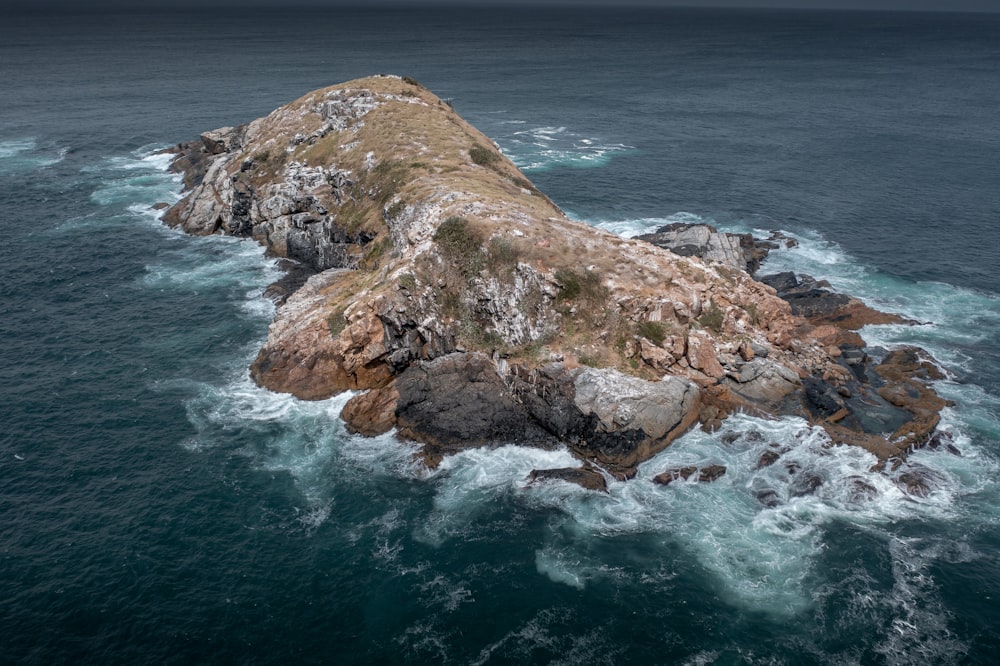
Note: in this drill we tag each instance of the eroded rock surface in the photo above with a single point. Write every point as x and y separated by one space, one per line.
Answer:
468 310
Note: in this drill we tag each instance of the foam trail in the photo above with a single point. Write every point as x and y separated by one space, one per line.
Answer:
136 182
629 228
758 530
16 147
25 155
543 148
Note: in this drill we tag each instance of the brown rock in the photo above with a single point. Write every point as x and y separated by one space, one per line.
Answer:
655 357
586 477
371 413
706 474
671 475
711 473
768 458
701 355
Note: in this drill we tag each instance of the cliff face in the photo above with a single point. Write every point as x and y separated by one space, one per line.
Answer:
473 311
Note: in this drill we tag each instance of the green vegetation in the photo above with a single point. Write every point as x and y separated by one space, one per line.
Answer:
374 252
387 178
337 323
408 281
583 285
483 156
652 331
712 317
395 209
501 256
461 243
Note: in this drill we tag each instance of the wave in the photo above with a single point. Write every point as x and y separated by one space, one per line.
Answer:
544 148
138 182
26 155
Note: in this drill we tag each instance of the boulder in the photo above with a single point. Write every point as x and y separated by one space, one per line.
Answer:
585 477
762 382
371 413
706 474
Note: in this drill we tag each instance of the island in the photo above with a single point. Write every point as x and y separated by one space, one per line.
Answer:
427 274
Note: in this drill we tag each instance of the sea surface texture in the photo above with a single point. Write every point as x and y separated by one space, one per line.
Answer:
157 507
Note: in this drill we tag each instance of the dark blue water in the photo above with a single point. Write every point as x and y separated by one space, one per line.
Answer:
155 506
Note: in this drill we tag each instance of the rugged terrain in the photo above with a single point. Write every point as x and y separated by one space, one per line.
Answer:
430 276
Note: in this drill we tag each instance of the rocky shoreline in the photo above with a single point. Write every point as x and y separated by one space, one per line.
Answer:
427 273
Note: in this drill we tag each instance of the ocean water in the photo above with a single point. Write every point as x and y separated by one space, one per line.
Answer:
156 506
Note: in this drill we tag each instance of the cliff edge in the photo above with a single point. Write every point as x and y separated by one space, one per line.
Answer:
467 309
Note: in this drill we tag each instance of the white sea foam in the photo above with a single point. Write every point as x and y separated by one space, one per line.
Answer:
919 632
136 182
16 147
541 148
26 155
762 556
645 225
217 262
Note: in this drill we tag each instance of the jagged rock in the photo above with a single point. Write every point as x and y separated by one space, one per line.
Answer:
295 276
673 474
806 483
444 286
635 418
223 140
768 458
585 477
701 355
704 241
459 401
860 490
655 356
817 302
762 382
706 474
916 481
768 498
371 413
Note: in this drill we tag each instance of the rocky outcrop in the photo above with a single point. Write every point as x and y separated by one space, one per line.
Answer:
459 401
740 251
816 301
467 310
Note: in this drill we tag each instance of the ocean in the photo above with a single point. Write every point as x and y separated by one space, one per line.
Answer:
158 507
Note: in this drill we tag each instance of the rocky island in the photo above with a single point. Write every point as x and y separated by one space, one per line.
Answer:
426 273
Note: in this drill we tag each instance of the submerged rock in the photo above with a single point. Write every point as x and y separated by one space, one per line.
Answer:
706 474
586 477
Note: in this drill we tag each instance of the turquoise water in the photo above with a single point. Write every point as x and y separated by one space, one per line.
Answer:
158 506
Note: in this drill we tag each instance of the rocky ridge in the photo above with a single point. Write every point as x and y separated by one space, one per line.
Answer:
468 310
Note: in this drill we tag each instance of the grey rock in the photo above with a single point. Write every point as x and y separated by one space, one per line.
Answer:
704 241
459 401
762 382
222 140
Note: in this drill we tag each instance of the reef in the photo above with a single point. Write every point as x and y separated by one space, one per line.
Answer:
431 277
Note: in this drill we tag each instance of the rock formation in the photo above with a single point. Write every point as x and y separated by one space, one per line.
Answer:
434 278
